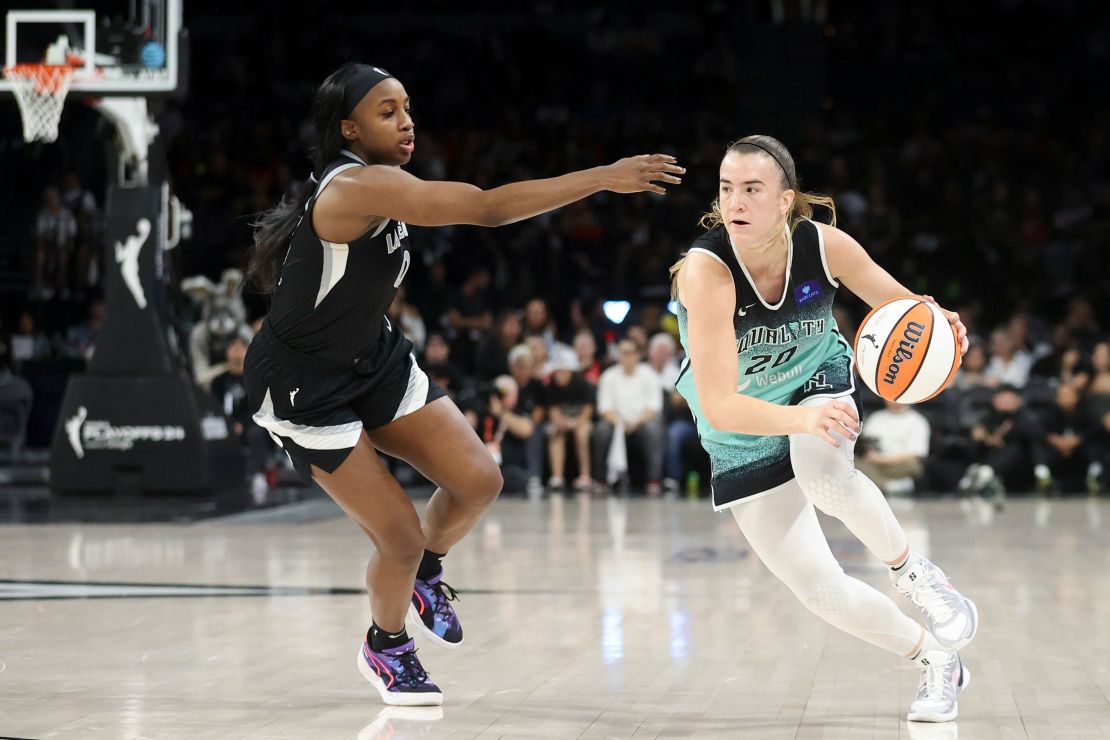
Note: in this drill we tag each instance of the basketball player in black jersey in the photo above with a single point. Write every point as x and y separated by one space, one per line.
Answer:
334 382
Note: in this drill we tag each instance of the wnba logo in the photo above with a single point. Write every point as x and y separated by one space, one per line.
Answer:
911 336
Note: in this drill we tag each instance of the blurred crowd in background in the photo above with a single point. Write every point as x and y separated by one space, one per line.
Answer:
984 182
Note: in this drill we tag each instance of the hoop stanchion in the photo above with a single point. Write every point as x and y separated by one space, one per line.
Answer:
40 90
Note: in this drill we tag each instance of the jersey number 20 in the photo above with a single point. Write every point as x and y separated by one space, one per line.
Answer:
759 362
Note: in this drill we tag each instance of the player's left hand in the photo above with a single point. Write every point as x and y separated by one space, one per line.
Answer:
954 320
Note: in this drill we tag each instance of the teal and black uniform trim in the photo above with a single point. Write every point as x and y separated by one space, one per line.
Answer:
786 352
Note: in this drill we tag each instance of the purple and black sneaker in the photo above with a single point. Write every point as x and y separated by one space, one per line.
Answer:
398 676
431 611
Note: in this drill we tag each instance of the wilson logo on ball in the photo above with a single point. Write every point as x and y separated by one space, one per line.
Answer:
904 352
913 334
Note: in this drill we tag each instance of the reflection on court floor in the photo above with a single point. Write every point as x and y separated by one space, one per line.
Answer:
585 618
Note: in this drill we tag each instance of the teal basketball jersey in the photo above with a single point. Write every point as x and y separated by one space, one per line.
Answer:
785 352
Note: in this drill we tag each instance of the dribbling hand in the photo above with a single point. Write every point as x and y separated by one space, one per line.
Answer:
642 172
835 417
954 320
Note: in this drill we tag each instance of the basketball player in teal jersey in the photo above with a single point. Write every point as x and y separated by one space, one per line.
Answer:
770 380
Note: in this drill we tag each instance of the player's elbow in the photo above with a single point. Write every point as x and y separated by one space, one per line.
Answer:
489 210
714 415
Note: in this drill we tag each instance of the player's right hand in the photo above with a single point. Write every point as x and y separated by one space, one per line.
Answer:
836 417
642 172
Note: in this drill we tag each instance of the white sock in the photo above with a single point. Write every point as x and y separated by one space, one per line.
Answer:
911 559
928 645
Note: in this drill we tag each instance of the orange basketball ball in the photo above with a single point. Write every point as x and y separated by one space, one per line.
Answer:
906 350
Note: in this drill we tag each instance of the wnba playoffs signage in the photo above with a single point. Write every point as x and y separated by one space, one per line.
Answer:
135 415
161 428
99 434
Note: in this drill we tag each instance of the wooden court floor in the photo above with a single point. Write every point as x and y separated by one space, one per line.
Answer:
583 618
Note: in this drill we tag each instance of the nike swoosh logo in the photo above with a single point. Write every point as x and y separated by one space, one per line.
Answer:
744 311
744 386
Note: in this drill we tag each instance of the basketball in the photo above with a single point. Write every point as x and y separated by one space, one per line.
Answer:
906 350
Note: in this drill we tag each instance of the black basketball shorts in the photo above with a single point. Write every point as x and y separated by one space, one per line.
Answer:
316 408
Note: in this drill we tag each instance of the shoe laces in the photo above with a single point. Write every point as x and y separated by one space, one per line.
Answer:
932 597
445 594
413 673
936 678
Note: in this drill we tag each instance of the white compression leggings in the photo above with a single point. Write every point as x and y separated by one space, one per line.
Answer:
783 530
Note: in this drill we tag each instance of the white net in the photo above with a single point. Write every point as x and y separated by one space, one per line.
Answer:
40 90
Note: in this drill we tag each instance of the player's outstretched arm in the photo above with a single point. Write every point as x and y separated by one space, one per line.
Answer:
706 290
379 191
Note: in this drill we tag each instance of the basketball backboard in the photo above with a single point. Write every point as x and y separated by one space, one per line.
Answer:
122 47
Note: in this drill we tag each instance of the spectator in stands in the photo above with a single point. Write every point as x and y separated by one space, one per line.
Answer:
55 235
82 204
407 316
542 359
538 322
81 337
1098 452
897 443
468 316
1100 370
570 408
27 343
1004 439
492 356
682 433
1098 390
637 334
230 394
1082 323
438 364
1009 365
16 398
1064 363
1059 451
585 348
661 353
531 400
630 401
506 428
972 372
678 423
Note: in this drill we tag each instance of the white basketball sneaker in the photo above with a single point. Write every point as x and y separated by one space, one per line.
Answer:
943 677
950 616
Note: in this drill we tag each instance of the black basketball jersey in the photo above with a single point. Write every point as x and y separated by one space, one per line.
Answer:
331 298
779 344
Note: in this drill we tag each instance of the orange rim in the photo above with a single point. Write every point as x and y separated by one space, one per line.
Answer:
48 78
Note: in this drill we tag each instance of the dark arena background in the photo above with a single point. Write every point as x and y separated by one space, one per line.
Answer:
165 572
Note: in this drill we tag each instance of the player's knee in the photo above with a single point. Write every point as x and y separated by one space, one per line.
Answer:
494 483
827 598
484 485
403 544
830 491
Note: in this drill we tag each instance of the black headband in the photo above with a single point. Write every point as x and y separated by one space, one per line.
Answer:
791 179
363 80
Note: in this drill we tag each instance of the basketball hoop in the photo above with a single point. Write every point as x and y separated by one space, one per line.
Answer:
40 90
